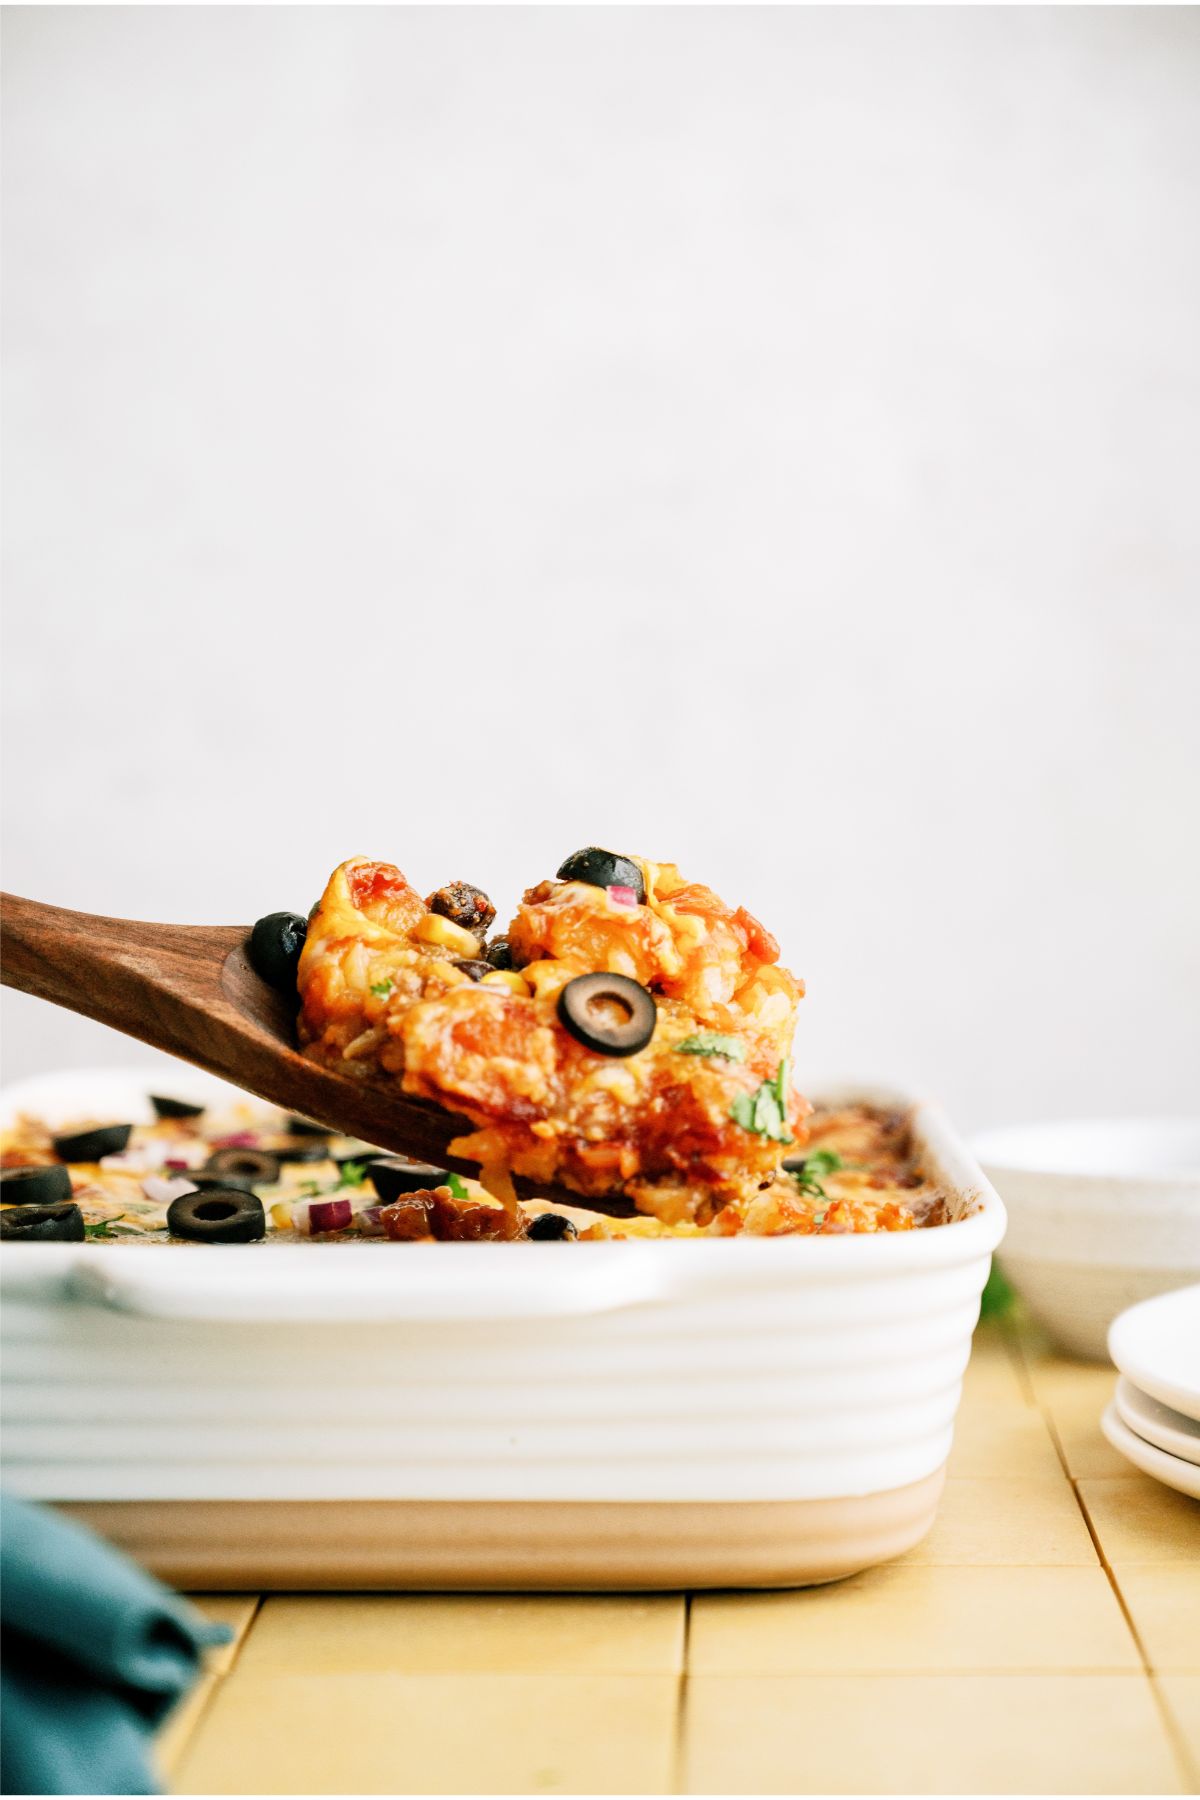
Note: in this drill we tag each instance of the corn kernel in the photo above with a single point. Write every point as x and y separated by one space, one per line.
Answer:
507 978
451 974
281 1216
547 975
446 935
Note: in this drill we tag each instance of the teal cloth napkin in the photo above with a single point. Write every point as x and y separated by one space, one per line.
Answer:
94 1655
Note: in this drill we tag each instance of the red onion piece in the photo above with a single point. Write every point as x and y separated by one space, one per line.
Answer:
622 896
162 1190
237 1140
329 1215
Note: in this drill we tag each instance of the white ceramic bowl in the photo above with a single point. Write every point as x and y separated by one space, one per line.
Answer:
647 1414
1102 1213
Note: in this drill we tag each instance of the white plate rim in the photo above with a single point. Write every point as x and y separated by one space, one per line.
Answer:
1172 1471
1155 1423
1127 1349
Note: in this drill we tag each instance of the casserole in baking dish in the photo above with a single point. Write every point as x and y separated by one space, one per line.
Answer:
649 1413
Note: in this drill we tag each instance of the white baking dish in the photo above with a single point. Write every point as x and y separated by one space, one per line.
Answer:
738 1411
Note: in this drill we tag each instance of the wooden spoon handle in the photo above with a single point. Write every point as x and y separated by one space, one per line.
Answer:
153 981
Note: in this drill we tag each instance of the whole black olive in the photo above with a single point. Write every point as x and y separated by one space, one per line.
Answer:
217 1216
611 1014
475 967
603 868
90 1146
552 1225
391 1176
466 905
61 1223
499 954
257 1166
166 1108
275 946
40 1186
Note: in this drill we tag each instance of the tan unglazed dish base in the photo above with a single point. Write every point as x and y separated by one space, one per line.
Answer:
479 1544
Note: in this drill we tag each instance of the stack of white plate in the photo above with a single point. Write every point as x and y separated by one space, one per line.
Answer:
1153 1419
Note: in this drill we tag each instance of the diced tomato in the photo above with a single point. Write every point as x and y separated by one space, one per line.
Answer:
370 883
759 941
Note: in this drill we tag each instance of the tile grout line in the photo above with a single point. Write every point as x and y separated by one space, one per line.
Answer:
1175 1737
680 1747
214 1687
1179 1746
1014 1350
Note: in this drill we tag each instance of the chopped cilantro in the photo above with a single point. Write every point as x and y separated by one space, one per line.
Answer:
458 1188
823 1162
765 1110
711 1043
352 1174
380 988
816 1164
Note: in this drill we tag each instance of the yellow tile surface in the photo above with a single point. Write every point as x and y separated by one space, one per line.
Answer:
1138 1520
1057 1381
1182 1696
1003 1440
934 1734
467 1634
1164 1604
993 1375
1085 1448
1073 1397
439 1734
1006 1520
901 1620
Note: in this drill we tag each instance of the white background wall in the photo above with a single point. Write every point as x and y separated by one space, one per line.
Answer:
765 439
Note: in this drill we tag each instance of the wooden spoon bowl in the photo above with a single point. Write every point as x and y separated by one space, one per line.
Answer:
190 990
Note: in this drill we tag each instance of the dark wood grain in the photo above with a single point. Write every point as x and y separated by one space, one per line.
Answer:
190 990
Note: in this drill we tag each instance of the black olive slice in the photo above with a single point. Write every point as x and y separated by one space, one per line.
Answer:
603 868
362 1159
308 1152
59 1224
275 946
166 1108
499 954
217 1216
217 1178
611 1014
475 967
257 1166
466 905
298 1127
390 1176
552 1225
90 1146
794 1165
40 1186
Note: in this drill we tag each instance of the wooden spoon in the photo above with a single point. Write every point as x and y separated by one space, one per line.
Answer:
190 990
